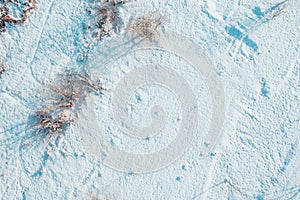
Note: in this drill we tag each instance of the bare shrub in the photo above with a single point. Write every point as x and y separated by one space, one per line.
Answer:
51 125
6 15
147 25
67 95
108 18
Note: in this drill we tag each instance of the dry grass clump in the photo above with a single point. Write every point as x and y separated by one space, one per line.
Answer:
6 15
67 95
53 122
147 25
108 18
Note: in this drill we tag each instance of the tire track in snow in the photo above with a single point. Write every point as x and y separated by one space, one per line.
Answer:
20 146
46 16
268 15
41 33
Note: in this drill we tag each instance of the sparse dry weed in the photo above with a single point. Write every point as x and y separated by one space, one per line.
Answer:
147 25
67 95
108 18
6 15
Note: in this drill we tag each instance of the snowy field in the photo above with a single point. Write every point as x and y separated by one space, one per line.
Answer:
207 106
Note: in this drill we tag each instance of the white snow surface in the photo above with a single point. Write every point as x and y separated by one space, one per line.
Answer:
254 47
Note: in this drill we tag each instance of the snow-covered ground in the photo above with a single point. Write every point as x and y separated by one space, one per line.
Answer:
209 108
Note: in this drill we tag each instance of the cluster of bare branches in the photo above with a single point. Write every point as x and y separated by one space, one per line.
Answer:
108 18
147 25
6 16
2 69
70 91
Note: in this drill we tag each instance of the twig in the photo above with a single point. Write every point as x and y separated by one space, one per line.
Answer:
2 69
226 181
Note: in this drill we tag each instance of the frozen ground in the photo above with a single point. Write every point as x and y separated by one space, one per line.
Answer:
254 47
